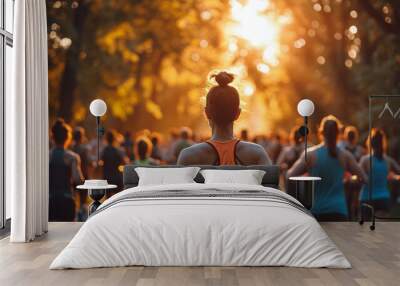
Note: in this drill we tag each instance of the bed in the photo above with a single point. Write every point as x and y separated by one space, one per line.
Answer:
197 224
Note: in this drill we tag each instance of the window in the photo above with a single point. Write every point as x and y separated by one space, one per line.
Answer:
6 63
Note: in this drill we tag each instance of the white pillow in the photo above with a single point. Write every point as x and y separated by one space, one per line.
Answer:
166 176
248 177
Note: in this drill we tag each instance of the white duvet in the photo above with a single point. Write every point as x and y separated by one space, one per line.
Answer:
190 231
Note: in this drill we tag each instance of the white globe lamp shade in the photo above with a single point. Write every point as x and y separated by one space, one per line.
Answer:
305 108
98 107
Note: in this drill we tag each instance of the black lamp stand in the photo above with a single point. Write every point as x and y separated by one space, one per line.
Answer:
99 132
305 137
304 132
97 194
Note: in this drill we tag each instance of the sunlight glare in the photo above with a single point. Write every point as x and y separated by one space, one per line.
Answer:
232 47
248 90
252 25
263 68
270 54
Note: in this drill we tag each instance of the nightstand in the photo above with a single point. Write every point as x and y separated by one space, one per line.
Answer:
305 187
96 191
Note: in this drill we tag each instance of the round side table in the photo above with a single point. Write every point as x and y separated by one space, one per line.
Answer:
96 193
305 190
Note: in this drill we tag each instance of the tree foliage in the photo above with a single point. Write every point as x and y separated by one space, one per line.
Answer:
143 57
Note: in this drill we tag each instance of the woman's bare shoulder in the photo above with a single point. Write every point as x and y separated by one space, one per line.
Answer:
251 153
250 146
313 149
195 155
197 148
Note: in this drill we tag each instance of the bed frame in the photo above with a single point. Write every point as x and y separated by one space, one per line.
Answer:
270 179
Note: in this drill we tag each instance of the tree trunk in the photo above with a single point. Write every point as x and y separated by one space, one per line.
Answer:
69 83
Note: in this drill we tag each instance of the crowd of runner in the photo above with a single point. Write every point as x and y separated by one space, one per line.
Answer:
152 148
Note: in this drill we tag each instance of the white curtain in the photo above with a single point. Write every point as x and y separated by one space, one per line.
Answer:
27 124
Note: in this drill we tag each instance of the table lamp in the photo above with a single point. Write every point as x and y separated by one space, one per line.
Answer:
98 108
97 188
305 185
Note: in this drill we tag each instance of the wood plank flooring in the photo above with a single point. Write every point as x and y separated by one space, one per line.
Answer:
375 257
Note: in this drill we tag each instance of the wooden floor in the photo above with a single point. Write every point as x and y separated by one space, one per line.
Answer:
375 257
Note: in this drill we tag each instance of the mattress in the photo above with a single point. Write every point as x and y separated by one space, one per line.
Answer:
201 225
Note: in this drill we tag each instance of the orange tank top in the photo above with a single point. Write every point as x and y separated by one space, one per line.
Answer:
225 151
